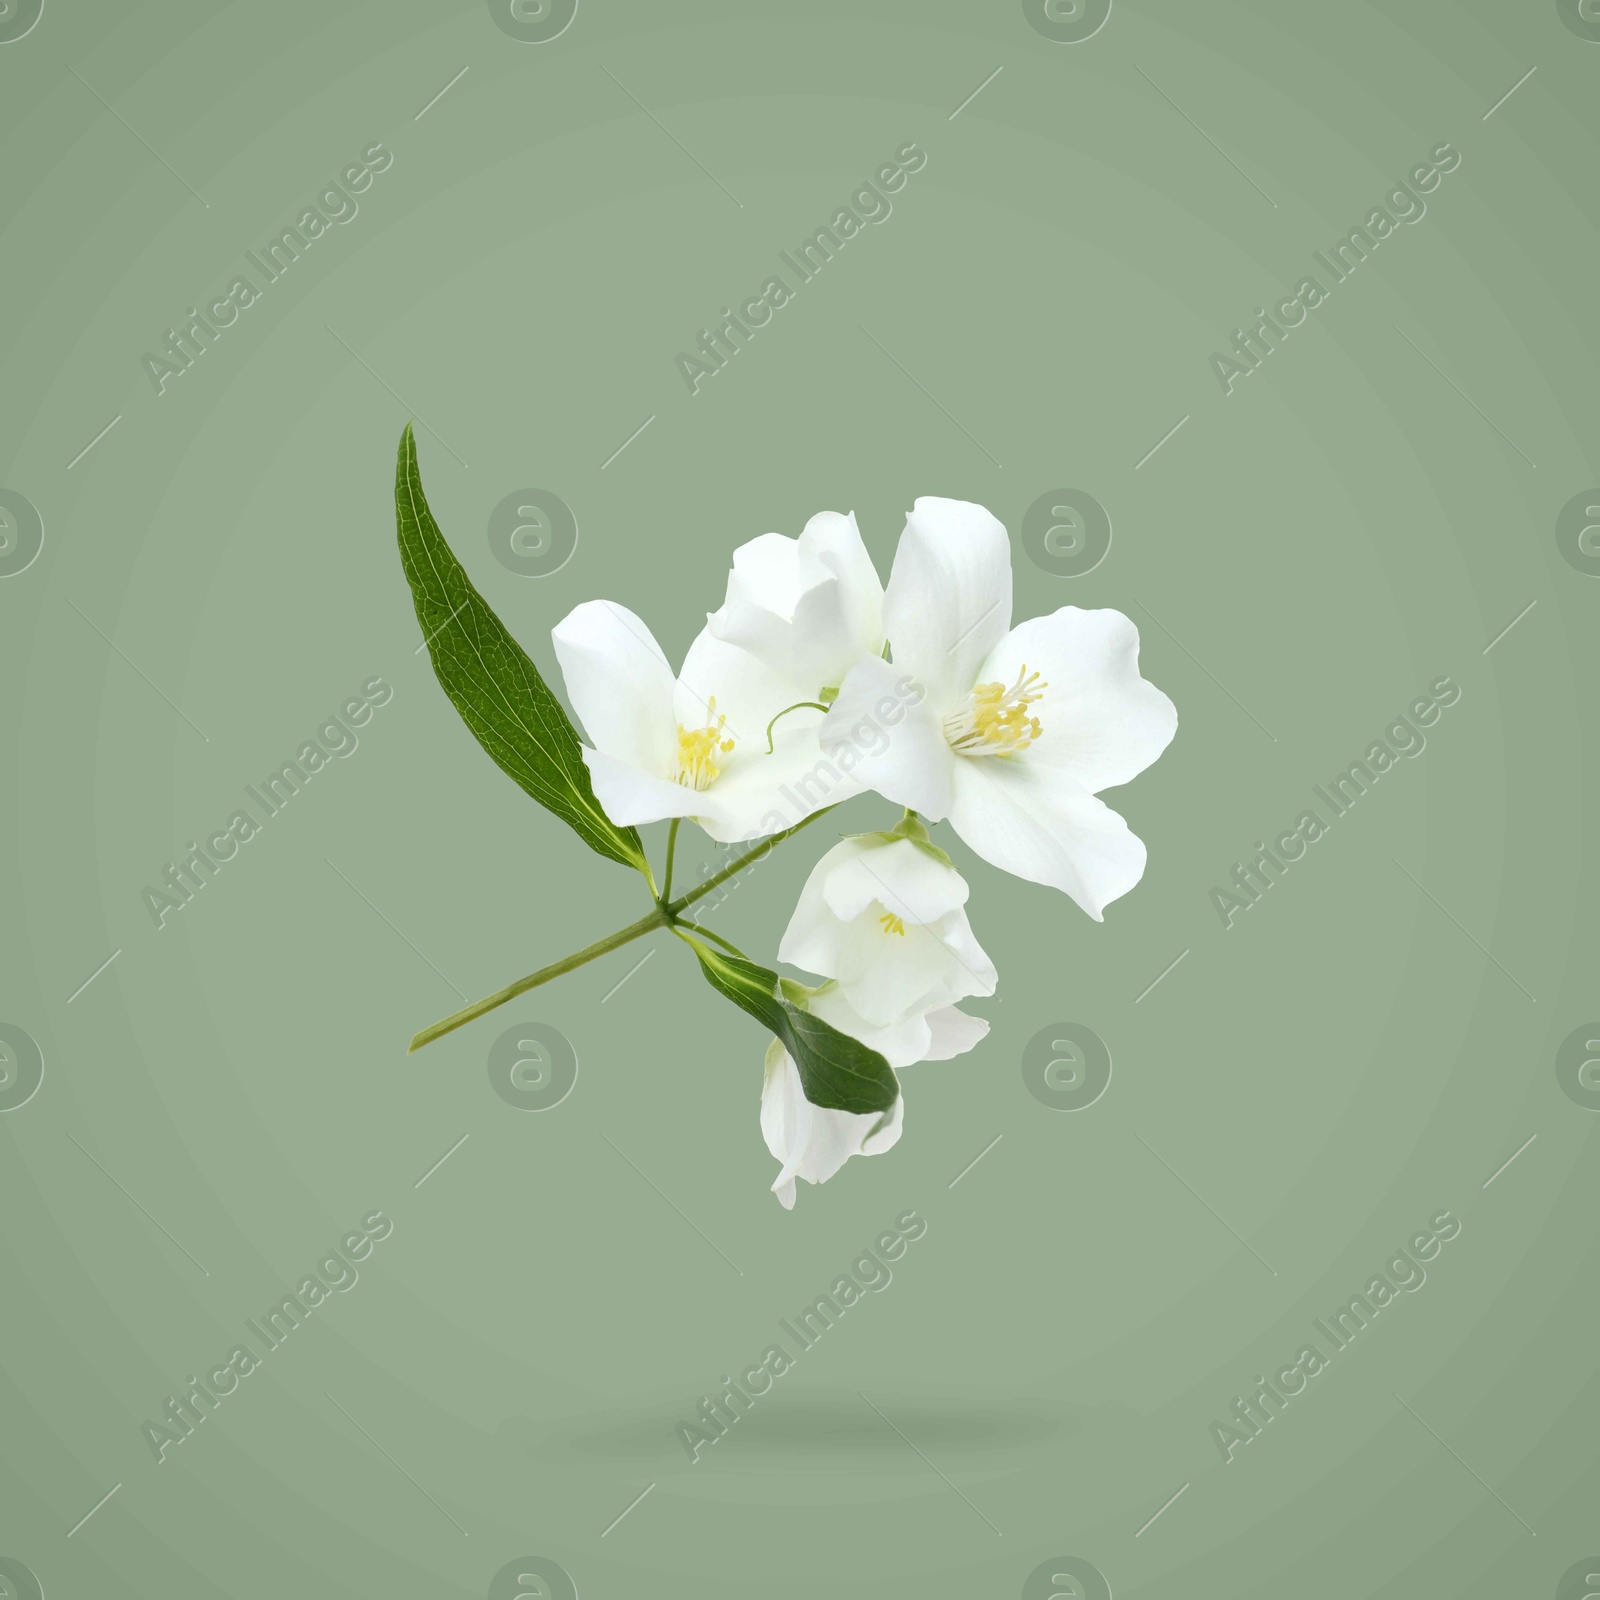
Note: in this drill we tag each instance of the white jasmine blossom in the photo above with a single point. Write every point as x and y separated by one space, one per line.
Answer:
694 744
1019 728
883 915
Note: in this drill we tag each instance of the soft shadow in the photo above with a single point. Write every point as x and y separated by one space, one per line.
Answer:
817 1430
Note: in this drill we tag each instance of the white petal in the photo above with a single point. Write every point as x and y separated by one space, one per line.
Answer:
808 608
748 693
889 977
819 648
835 542
813 1142
1043 826
619 684
785 1114
889 732
949 598
762 794
954 1033
901 1044
629 795
766 576
763 589
835 1136
903 879
815 937
967 970
862 951
1101 722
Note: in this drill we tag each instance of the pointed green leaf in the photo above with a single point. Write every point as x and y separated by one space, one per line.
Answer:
835 1070
490 679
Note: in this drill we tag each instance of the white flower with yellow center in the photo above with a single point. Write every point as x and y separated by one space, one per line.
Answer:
1019 729
885 917
882 916
694 744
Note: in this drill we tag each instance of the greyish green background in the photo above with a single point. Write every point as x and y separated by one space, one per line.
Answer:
1289 1103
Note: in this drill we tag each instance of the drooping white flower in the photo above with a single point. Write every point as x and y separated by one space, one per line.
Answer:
808 608
1019 728
885 917
694 745
813 1142
897 1000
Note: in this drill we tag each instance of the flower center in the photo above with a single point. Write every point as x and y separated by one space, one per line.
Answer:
698 749
892 924
995 719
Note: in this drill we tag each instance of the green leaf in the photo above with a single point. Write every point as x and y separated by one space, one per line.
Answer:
490 679
835 1070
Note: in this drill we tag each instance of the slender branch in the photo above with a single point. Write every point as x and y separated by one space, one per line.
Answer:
664 914
659 917
672 850
765 848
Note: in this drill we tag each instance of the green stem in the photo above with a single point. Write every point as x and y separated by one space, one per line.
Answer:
716 938
663 914
672 849
659 917
765 848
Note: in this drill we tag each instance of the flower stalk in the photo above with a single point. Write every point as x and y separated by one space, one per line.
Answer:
663 914
657 918
749 858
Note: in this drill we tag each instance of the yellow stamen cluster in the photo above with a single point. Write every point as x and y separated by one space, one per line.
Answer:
996 720
892 924
698 749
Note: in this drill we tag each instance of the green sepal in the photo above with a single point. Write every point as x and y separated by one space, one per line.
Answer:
836 1071
911 827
